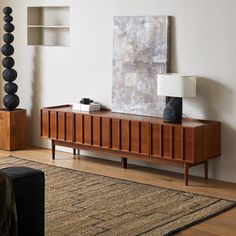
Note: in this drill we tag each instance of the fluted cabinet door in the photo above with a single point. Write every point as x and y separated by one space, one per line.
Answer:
189 146
69 127
144 138
115 134
87 129
178 143
125 135
156 140
79 128
134 136
53 125
96 127
61 126
105 132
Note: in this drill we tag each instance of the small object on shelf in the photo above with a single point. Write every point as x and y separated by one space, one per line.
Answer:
86 101
87 107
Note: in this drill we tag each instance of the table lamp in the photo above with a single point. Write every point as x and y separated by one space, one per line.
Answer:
175 86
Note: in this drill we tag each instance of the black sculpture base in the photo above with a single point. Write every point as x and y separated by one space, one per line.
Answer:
173 111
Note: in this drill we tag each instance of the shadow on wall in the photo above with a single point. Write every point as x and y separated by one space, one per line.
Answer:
214 98
216 101
34 120
228 152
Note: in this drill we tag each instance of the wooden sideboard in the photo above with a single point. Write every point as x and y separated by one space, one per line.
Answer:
190 143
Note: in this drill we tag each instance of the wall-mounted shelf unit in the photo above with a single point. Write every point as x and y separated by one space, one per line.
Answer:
48 25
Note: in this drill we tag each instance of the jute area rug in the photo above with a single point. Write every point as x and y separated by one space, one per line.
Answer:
81 203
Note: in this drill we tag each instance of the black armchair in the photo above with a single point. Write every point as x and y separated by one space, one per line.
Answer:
29 188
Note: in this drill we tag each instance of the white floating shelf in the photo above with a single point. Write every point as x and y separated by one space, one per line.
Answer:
48 26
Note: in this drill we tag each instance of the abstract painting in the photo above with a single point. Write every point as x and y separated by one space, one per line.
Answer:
140 52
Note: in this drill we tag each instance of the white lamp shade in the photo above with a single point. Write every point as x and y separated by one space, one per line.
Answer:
176 85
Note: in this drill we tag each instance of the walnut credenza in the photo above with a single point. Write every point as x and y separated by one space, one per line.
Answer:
145 138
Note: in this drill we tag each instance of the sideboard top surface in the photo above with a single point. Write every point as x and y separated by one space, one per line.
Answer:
187 122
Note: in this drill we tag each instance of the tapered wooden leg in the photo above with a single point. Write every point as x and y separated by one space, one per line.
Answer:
206 169
124 162
74 151
78 152
186 173
53 149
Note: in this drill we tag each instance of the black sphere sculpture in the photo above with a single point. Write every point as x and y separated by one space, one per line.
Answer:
7 50
8 38
8 62
11 100
10 88
9 27
9 75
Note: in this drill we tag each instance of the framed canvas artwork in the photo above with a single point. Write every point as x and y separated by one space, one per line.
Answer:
140 52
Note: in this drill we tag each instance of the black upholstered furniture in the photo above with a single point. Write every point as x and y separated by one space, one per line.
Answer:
29 194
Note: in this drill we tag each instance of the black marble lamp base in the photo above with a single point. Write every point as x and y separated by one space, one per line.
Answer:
173 111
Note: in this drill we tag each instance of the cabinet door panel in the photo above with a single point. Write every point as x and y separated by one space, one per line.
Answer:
156 145
106 132
69 127
115 123
96 131
53 124
87 129
189 144
178 143
79 128
145 138
61 126
125 135
167 141
134 136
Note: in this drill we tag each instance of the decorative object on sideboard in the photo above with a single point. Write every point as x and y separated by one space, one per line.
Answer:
175 86
140 51
86 104
11 100
86 101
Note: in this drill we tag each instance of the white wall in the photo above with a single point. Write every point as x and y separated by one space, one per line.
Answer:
203 42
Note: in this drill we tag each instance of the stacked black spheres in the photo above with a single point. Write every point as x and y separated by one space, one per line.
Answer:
11 100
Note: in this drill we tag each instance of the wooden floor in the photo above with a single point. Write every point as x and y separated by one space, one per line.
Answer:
221 225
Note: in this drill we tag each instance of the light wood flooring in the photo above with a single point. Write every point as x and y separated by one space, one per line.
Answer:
221 225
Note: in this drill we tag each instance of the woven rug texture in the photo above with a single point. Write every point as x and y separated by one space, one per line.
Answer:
81 203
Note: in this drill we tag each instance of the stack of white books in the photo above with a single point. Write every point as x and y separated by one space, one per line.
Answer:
83 107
